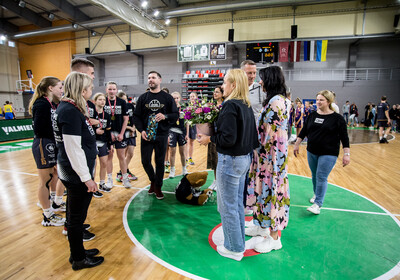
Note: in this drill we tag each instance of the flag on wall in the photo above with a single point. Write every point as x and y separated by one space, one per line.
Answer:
312 50
295 49
306 50
284 52
322 46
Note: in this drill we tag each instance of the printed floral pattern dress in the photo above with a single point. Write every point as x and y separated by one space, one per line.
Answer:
268 190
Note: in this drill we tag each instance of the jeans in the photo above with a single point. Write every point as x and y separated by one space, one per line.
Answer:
78 200
346 117
320 167
353 119
231 175
394 125
159 145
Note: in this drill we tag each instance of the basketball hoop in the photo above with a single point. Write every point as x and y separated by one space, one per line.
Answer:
20 91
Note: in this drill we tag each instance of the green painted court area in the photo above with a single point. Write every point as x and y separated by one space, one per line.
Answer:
15 146
337 244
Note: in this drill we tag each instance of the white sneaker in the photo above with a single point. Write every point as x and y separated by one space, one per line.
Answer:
248 212
312 199
184 170
172 173
229 254
268 245
256 231
252 242
315 209
213 186
110 182
249 223
126 182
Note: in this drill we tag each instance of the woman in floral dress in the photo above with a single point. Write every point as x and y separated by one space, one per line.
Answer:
268 191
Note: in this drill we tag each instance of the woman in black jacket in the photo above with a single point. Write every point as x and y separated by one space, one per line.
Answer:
235 139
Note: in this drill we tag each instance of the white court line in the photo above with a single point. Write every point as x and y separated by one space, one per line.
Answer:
348 210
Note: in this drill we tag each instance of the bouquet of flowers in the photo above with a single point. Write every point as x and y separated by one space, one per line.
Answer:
202 111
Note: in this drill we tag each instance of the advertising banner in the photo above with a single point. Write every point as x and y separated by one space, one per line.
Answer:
218 51
15 129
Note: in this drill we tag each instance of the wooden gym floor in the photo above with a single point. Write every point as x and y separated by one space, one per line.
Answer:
31 251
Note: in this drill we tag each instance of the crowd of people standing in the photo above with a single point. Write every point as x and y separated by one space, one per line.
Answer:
248 150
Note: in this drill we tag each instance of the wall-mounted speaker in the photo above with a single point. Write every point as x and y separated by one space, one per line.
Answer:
293 32
87 50
128 48
231 35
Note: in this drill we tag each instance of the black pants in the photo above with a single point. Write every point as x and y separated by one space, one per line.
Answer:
159 146
78 200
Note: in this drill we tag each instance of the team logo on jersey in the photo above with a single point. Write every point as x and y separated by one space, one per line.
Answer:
50 148
154 105
90 128
319 121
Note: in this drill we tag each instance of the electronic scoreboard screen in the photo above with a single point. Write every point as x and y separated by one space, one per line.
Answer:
262 52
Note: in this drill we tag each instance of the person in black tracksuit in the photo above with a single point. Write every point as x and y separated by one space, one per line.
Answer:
77 151
154 113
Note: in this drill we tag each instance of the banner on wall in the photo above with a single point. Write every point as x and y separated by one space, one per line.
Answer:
294 50
15 129
201 52
284 51
185 53
218 51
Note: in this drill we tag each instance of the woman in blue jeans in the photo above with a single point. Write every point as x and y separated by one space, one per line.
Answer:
235 139
324 129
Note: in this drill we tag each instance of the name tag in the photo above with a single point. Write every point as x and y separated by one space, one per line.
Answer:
319 121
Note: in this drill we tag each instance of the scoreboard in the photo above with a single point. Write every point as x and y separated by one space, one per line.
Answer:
262 52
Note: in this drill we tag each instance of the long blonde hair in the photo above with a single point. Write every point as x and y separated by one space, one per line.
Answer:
241 91
329 95
74 85
42 89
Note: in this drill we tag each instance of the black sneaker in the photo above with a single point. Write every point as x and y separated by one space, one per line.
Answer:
382 141
104 188
86 226
385 140
97 194
87 262
87 235
89 253
57 208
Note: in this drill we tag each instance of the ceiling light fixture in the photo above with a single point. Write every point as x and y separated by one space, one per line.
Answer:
51 16
3 38
156 13
75 25
144 4
22 4
167 21
94 33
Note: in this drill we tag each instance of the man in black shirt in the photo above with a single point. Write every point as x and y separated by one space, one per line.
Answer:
383 120
154 113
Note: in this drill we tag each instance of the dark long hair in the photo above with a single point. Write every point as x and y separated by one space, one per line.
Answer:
273 82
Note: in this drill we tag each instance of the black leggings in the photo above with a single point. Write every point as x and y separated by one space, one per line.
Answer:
78 200
159 145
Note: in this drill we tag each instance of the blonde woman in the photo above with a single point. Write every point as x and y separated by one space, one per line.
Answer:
325 129
41 107
235 139
76 143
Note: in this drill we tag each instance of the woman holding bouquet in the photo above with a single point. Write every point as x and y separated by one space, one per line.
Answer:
235 139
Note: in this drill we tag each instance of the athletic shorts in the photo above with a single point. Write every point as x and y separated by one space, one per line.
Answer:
9 116
383 124
44 152
103 149
192 132
176 138
119 144
131 141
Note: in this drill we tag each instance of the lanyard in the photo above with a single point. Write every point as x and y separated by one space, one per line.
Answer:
112 110
51 104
